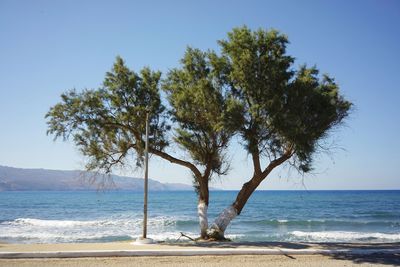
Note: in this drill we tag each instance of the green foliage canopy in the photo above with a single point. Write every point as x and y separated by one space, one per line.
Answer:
287 112
108 123
203 110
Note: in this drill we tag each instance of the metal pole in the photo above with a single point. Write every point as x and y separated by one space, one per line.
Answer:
146 178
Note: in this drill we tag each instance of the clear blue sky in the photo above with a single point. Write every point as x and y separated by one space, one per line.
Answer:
47 47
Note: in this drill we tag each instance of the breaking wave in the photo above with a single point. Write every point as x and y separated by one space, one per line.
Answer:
30 230
323 222
343 236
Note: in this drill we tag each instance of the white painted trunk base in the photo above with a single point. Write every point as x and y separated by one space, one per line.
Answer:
224 219
203 220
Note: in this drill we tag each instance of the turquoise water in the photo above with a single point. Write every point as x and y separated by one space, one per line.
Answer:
314 216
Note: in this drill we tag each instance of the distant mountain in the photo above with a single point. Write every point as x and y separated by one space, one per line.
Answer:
17 179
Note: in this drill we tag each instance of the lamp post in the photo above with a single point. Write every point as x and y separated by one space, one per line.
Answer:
143 239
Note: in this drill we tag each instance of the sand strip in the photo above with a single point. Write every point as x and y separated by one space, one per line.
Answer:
126 249
215 261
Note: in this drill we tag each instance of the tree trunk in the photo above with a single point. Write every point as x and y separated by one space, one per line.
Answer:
202 209
245 193
203 187
203 220
217 230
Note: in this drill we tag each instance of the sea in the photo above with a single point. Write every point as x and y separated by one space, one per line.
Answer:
287 216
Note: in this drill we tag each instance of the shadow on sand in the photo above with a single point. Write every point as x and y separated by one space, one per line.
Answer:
213 244
376 258
392 259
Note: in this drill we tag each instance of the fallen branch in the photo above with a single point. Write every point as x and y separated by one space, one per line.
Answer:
184 235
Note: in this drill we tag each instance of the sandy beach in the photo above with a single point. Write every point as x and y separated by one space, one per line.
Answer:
339 259
199 261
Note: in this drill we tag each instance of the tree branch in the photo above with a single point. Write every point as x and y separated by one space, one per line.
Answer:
256 162
172 159
276 162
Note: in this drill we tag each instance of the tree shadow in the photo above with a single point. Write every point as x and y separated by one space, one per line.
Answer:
375 258
384 258
288 245
215 244
358 253
357 246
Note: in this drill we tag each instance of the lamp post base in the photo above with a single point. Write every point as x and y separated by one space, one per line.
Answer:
143 241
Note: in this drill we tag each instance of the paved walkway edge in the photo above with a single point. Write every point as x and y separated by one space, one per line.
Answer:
189 252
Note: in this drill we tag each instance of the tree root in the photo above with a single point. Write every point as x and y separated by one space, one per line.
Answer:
216 235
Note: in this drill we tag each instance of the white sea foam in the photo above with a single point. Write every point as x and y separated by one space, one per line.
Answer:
343 236
50 223
234 236
30 230
282 221
160 228
158 221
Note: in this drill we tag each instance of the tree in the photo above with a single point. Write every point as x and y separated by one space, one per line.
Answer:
107 124
287 112
251 89
205 118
